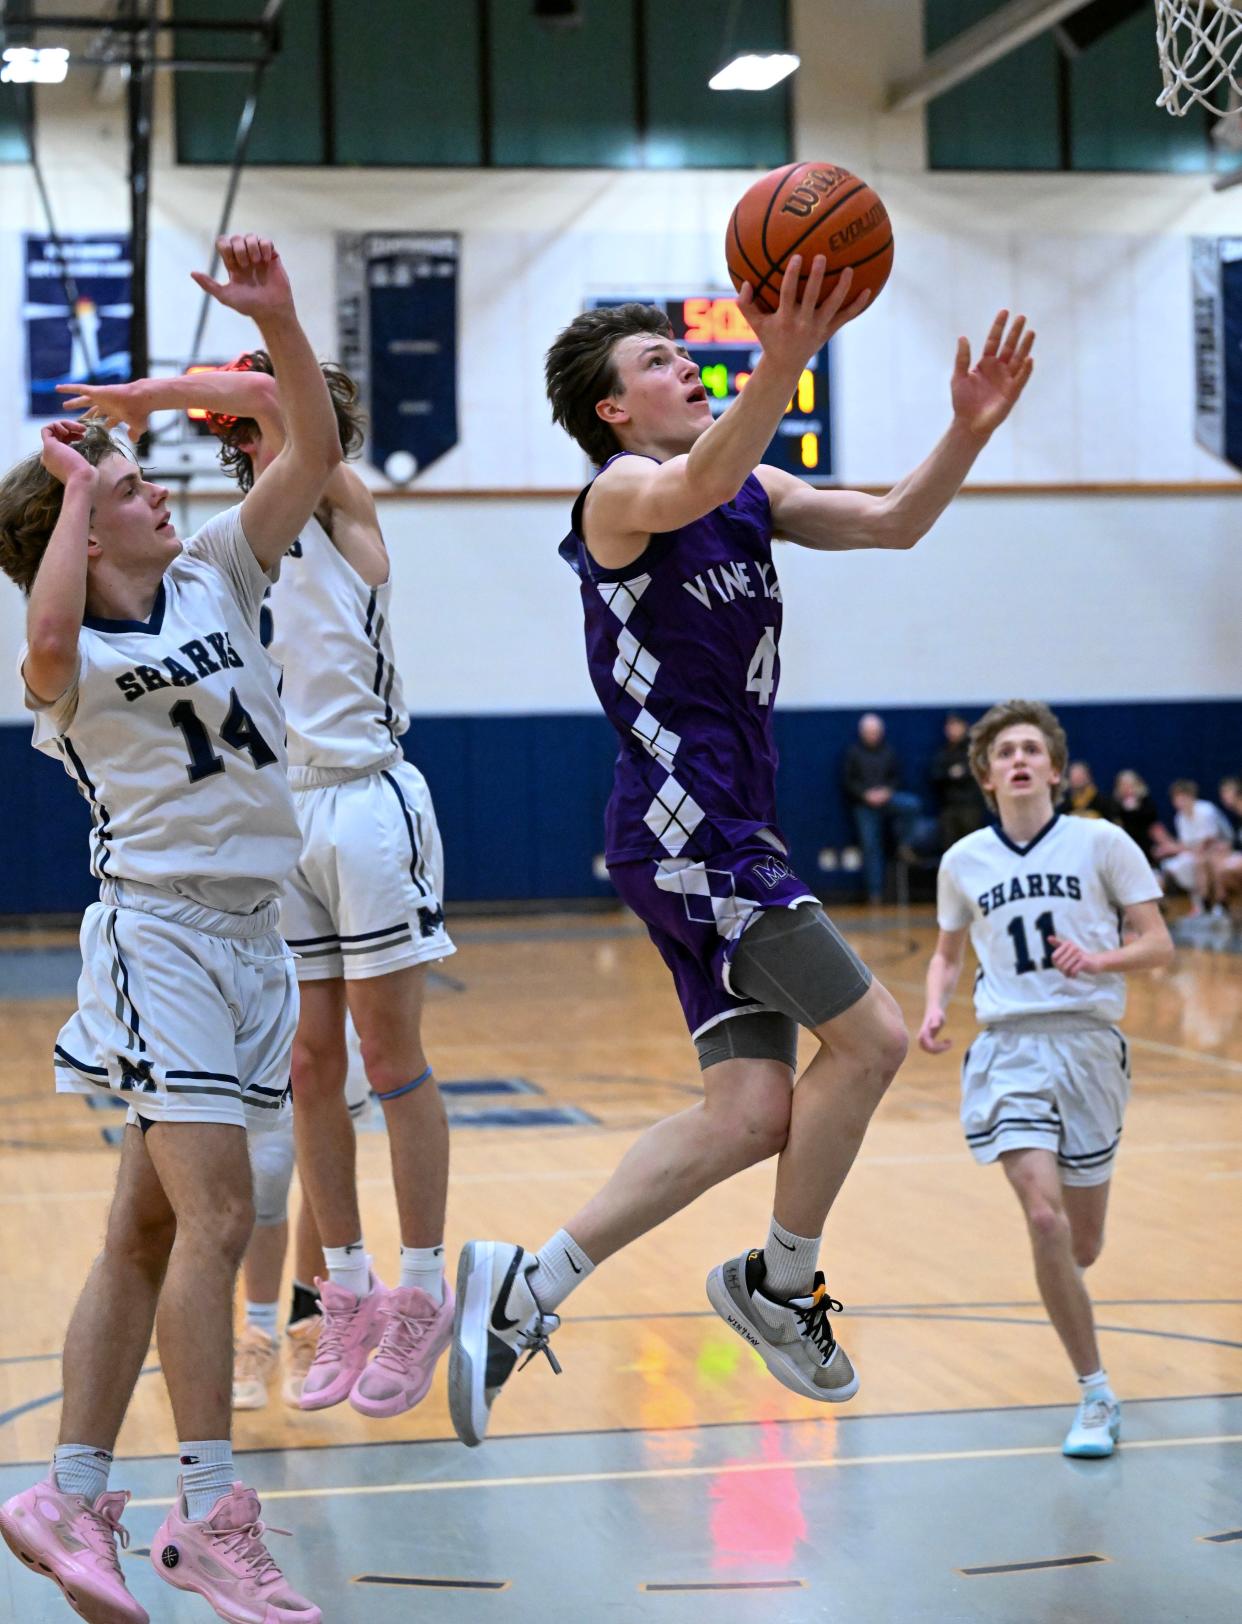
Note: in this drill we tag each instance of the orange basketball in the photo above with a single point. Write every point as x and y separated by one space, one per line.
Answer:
809 209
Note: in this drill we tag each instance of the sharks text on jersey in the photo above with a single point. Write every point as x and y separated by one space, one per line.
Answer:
205 655
1023 886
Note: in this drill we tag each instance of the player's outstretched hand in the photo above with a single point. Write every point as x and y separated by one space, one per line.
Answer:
930 1040
798 327
257 284
109 404
984 394
1070 959
59 457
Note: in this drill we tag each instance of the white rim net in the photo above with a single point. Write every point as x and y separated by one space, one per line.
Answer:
1200 45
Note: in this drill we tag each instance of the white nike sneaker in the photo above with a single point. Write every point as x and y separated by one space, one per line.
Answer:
793 1339
1096 1429
497 1319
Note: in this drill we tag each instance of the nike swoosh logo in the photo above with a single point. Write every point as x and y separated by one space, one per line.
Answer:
571 1262
780 1242
500 1320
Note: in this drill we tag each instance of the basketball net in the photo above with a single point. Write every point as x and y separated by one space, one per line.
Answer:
1200 45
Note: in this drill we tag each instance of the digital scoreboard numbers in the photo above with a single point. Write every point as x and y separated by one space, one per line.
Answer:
724 348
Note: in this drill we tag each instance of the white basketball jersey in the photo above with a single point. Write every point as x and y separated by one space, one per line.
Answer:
1071 882
173 732
330 632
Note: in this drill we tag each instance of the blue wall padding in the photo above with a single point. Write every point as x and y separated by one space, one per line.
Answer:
520 799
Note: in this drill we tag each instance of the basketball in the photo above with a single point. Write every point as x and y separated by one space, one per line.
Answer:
809 209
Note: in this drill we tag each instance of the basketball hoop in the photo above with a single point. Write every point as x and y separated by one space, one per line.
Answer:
1227 131
1200 45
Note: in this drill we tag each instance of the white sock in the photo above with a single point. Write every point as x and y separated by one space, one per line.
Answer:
81 1469
349 1266
560 1267
206 1474
263 1317
1096 1385
790 1262
423 1267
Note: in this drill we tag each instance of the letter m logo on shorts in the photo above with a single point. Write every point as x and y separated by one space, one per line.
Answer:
136 1074
430 920
772 871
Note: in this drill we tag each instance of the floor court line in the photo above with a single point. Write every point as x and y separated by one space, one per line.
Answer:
1175 1051
660 1474
959 1000
553 1175
547 1176
678 1428
956 1312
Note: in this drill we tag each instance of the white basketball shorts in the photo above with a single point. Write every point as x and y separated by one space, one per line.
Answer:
367 896
185 1013
1054 1085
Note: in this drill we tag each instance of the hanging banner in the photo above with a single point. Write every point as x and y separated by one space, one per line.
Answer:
1216 273
77 312
397 327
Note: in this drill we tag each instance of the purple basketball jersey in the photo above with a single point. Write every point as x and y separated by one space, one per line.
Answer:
682 647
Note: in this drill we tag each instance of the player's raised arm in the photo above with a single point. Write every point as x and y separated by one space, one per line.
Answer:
983 396
637 497
356 532
58 592
942 973
286 494
239 394
355 523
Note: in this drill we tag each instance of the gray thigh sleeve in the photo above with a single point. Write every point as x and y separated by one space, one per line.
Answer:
761 1036
271 1172
796 960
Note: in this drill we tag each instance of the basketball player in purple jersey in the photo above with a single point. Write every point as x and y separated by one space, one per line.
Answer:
672 542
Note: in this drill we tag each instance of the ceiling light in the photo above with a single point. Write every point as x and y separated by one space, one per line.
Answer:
24 65
749 71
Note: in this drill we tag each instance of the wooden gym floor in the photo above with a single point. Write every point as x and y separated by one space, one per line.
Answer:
664 1475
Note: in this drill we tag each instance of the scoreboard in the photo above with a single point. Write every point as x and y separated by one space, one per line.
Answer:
723 346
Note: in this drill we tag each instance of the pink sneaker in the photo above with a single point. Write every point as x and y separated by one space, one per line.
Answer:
66 1539
417 1332
351 1328
223 1559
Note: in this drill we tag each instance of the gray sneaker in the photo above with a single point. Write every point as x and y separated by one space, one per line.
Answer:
497 1319
793 1339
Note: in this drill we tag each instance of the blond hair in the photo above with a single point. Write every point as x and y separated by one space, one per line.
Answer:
30 499
1015 713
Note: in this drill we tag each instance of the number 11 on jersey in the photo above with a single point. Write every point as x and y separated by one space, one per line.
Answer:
1023 962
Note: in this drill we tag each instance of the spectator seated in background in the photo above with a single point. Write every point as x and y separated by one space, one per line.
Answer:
960 800
872 779
1084 797
1135 811
1225 864
1202 832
